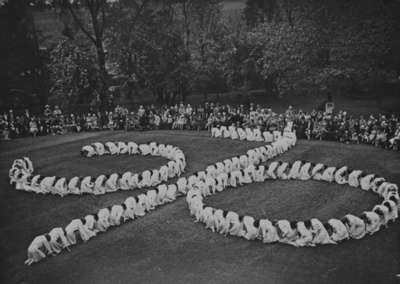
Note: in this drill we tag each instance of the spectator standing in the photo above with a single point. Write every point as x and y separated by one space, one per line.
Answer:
33 127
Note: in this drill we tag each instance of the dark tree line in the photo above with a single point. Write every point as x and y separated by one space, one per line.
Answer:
121 51
23 74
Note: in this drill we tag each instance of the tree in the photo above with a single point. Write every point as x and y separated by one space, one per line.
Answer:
207 46
23 74
73 75
286 51
96 12
317 44
260 11
354 43
186 8
151 53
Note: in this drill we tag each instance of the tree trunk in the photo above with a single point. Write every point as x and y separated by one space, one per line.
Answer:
185 12
101 61
160 94
40 80
270 86
101 56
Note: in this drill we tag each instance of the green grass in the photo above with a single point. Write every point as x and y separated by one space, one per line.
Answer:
166 246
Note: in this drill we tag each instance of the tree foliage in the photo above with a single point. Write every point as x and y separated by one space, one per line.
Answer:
74 75
119 50
23 76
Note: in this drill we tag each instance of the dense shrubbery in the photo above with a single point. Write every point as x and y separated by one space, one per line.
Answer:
112 53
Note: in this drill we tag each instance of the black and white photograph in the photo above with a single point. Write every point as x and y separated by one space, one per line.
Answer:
199 141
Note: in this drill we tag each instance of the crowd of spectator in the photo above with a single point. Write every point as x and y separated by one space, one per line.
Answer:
380 130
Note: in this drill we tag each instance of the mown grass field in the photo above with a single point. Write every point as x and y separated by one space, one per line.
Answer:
166 246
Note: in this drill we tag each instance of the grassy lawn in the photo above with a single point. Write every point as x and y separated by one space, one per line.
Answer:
166 246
